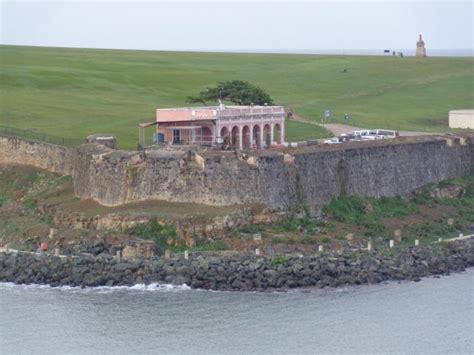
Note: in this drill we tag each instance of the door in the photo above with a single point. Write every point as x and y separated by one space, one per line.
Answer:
176 136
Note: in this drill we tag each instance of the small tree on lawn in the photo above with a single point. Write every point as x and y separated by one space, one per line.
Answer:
236 91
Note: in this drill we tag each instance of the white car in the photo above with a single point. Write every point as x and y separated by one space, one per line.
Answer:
335 140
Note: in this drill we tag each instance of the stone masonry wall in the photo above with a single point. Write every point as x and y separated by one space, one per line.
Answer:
50 157
308 176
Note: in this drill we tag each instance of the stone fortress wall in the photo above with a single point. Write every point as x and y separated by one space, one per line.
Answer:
307 176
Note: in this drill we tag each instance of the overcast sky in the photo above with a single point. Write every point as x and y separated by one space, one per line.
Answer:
237 25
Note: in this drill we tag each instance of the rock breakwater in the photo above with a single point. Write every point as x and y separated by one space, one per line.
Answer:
242 272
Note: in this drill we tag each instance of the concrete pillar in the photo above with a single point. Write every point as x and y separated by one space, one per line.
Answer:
167 254
440 240
282 130
321 248
118 254
369 245
240 128
261 135
272 139
56 251
257 251
392 243
186 254
417 242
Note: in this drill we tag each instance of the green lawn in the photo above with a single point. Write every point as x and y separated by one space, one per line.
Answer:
76 92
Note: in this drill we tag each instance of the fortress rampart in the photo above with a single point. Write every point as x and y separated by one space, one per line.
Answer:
307 176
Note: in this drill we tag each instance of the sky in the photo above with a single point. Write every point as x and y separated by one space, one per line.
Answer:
237 25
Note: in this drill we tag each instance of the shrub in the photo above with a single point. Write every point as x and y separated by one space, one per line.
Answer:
292 224
252 228
3 200
346 209
279 260
215 245
154 231
326 240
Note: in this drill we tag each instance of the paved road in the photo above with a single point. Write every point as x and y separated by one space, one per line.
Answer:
338 128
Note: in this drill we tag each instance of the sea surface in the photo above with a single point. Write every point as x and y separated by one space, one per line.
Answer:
434 316
430 52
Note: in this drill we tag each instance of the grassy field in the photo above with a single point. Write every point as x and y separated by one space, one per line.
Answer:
76 92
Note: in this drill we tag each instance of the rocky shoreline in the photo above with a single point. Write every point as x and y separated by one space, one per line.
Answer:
242 272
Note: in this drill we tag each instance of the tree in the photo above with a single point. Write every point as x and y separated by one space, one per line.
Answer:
236 91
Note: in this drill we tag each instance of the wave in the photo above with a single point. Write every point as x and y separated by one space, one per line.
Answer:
153 287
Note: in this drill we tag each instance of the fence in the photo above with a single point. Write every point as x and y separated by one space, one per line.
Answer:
37 136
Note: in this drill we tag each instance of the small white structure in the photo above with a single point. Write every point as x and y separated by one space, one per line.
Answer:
461 119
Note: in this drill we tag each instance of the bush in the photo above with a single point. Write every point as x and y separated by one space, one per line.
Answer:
279 260
215 245
155 231
326 240
292 225
431 230
252 228
346 209
394 207
3 200
29 204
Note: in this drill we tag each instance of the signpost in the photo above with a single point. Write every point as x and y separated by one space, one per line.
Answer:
327 115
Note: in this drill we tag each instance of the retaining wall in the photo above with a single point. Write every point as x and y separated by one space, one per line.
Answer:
309 176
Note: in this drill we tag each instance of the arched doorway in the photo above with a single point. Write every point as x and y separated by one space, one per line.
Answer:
246 141
225 136
267 135
277 133
235 137
256 136
206 135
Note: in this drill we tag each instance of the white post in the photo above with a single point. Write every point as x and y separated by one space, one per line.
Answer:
261 136
321 248
392 243
56 252
186 254
257 251
461 235
440 240
272 139
417 242
118 254
369 245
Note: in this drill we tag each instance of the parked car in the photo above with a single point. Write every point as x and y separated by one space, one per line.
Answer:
335 140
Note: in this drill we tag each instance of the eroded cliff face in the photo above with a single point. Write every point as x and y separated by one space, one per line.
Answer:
303 177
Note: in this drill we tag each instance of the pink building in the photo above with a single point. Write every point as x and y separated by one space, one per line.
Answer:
243 127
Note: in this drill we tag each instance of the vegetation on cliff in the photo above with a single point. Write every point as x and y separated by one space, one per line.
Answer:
32 201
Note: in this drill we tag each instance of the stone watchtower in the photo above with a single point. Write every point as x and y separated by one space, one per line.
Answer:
420 48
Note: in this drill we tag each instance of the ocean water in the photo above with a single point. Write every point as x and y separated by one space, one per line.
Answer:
434 316
410 52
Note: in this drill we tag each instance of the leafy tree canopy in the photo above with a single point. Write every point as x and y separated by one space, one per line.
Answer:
236 91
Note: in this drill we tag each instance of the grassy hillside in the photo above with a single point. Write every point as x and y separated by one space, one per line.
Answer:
75 92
